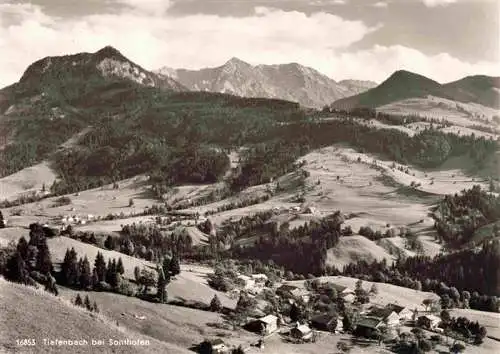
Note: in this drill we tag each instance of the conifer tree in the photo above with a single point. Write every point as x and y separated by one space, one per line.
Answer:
119 267
175 267
2 222
78 300
22 248
113 274
162 282
85 274
16 269
95 278
109 270
137 274
215 304
44 261
95 308
109 243
87 303
70 269
100 267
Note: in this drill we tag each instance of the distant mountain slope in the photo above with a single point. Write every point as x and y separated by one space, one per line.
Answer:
106 63
479 89
404 85
68 77
292 82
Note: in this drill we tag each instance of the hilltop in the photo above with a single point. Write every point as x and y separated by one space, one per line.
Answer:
403 85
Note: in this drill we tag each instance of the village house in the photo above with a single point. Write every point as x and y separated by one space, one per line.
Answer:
324 322
341 290
368 326
264 325
344 292
428 321
404 313
260 278
302 332
390 317
215 346
247 281
293 292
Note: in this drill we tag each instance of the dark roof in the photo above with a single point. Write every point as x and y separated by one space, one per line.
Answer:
338 287
395 308
216 341
369 322
323 318
380 312
286 287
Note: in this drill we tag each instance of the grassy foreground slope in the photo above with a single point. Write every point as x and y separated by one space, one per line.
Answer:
35 314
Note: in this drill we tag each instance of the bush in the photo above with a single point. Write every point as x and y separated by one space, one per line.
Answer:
61 201
103 286
125 287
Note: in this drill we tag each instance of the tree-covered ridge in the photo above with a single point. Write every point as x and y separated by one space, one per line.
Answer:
458 217
469 278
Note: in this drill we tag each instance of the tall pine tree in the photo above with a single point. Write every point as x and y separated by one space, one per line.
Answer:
119 267
85 274
2 222
100 267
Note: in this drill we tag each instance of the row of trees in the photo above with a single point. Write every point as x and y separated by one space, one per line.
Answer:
77 273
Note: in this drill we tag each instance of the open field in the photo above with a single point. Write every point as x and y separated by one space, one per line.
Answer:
35 314
352 248
98 202
462 114
30 179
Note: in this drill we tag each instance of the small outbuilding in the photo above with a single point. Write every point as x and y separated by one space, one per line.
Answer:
324 322
264 325
302 332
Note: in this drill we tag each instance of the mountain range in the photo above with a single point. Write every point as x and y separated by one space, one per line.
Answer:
292 82
71 77
403 85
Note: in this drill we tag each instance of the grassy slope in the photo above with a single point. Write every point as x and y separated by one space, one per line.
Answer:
173 324
352 248
35 314
98 202
30 179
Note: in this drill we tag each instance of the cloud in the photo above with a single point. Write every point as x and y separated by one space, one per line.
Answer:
434 3
268 36
189 41
380 62
151 7
380 4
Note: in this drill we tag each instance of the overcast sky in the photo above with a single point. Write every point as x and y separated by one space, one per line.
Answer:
344 39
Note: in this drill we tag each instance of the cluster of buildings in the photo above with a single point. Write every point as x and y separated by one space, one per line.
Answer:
77 220
253 284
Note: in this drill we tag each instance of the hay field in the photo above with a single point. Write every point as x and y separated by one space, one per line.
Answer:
27 180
